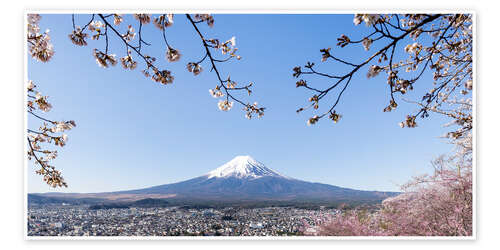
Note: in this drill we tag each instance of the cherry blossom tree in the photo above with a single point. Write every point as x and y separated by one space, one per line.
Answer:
439 44
103 26
440 204
42 141
430 205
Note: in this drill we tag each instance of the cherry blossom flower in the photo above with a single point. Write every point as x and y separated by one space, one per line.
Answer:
39 45
367 42
468 84
77 37
373 71
216 92
225 105
253 109
42 102
312 120
172 54
117 19
164 21
130 35
209 19
96 25
164 77
369 19
128 62
104 60
195 68
413 48
30 86
143 18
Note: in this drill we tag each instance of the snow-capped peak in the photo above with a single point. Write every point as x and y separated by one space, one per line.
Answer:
243 167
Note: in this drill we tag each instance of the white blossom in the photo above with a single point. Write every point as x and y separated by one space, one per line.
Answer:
373 71
468 84
94 25
118 19
233 41
367 42
312 120
143 18
195 68
172 55
216 93
31 85
225 105
369 19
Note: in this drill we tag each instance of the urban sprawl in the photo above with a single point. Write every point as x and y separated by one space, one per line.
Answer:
79 220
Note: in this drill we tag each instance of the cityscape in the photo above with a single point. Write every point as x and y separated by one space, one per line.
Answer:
81 220
116 152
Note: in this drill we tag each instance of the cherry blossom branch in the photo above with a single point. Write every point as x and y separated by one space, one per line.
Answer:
382 26
224 105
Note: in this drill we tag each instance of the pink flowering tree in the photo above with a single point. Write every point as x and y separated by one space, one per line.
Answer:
430 205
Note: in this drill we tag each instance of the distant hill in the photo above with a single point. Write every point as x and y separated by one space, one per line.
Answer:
48 199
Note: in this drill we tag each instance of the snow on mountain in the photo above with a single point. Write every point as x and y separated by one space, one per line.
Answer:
244 167
243 179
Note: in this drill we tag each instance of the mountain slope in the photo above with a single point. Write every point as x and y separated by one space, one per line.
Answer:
245 178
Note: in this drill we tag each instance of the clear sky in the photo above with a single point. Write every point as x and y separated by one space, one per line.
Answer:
132 132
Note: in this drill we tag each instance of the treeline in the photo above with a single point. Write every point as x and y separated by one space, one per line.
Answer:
148 202
202 204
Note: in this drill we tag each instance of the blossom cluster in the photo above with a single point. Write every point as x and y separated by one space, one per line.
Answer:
172 54
128 62
225 105
446 55
431 205
194 68
105 26
164 21
104 60
253 109
50 132
39 45
439 204
369 19
209 19
227 48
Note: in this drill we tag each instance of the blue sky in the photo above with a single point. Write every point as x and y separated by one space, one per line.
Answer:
132 132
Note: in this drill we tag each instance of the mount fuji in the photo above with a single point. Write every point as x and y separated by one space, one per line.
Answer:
243 179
